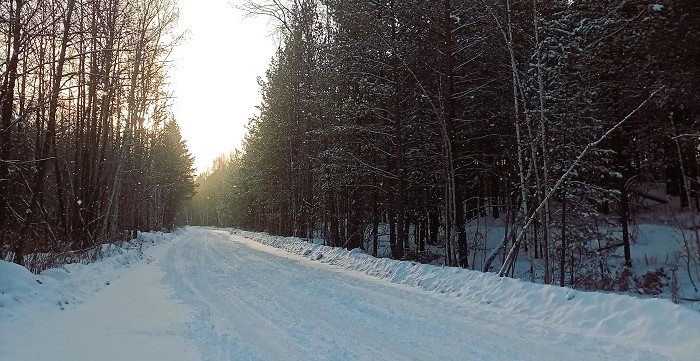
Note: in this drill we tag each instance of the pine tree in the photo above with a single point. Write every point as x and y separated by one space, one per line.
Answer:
172 177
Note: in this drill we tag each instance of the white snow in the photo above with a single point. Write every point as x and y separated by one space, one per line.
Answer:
113 309
653 322
16 280
206 294
68 285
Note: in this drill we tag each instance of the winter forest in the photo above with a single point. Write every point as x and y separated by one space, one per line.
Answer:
528 138
534 139
89 150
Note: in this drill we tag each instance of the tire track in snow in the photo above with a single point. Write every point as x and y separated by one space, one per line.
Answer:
251 304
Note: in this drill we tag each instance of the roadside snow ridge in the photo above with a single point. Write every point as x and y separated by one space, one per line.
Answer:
653 322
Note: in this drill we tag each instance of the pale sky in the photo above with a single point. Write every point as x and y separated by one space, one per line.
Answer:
214 75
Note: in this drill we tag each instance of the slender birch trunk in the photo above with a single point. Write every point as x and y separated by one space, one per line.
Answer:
512 254
543 187
518 137
49 141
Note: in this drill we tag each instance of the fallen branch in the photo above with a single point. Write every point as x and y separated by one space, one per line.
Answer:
560 181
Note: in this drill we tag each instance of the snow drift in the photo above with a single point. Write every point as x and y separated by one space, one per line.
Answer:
630 320
20 290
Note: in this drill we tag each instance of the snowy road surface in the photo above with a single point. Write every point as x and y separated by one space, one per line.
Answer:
210 295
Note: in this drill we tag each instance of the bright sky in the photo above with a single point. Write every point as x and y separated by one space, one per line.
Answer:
214 75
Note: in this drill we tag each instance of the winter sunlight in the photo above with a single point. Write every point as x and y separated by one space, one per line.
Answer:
277 180
214 75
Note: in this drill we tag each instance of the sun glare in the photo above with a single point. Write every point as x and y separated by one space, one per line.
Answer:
214 75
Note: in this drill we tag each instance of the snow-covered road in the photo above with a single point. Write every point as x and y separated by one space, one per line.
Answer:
210 295
254 302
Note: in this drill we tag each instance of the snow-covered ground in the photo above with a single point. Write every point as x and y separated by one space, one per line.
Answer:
206 294
657 244
115 309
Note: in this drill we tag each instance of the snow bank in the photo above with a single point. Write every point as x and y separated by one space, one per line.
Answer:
15 279
21 291
653 322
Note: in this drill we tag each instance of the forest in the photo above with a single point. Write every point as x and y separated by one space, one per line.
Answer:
90 152
405 122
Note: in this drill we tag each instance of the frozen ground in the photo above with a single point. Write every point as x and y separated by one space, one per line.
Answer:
212 295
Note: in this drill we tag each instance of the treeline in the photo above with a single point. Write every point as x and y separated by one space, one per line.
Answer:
414 118
89 150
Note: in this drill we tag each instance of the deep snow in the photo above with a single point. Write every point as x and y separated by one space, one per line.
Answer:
61 287
115 309
208 294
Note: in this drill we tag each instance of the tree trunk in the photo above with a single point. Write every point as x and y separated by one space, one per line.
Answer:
392 233
562 260
543 187
400 191
524 194
49 141
624 223
7 97
375 223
